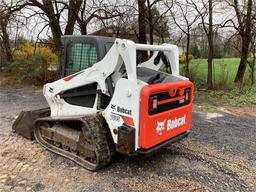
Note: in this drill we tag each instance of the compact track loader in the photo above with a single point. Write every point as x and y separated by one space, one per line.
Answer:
109 101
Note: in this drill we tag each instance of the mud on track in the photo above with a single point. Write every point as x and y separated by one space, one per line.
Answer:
219 155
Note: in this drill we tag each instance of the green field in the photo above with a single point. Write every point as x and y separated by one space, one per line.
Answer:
225 92
224 71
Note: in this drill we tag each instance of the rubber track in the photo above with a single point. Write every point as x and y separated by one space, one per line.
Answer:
103 144
99 139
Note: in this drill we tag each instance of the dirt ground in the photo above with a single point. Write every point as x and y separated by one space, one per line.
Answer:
219 155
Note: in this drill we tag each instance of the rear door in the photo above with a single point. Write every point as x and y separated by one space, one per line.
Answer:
165 112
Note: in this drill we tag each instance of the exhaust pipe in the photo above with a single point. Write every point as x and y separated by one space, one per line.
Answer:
24 124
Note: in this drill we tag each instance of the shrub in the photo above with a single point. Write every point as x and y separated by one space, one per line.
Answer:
31 65
183 59
27 51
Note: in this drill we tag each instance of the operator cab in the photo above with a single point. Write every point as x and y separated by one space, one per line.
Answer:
82 52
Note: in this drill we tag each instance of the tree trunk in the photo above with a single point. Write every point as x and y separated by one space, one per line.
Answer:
56 32
54 22
253 63
210 65
142 27
54 17
210 48
6 41
162 37
83 28
187 56
243 60
73 9
151 36
150 21
246 38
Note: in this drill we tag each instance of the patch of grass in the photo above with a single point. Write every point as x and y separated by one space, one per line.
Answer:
226 92
224 71
236 97
204 107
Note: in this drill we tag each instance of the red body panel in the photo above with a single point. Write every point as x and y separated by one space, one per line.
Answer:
172 122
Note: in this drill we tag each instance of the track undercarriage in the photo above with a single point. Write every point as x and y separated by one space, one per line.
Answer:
85 140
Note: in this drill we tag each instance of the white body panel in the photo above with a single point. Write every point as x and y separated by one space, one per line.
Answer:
127 91
127 97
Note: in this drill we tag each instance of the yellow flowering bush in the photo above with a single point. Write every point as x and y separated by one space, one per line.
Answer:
31 65
182 58
28 50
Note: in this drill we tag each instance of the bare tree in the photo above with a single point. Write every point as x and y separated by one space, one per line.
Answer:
205 10
142 26
150 20
4 20
100 10
243 25
252 63
245 31
155 20
210 43
141 21
184 19
53 11
8 12
122 26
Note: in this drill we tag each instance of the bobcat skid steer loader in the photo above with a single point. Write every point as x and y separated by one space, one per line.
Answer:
108 101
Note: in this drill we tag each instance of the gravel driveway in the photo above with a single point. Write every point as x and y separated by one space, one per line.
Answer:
219 155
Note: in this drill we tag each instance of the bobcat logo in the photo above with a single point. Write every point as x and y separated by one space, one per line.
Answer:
113 107
160 127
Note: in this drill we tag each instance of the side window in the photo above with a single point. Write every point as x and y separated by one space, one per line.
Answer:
108 45
80 56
